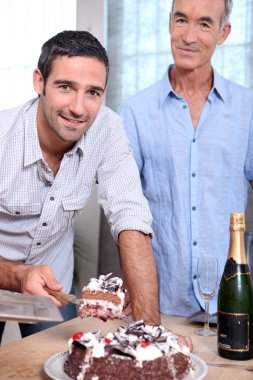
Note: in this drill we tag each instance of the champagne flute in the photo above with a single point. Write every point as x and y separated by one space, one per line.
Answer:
207 276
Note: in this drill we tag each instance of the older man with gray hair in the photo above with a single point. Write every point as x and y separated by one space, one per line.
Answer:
192 137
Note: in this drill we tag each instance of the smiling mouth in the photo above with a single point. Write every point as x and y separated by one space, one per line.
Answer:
71 121
187 49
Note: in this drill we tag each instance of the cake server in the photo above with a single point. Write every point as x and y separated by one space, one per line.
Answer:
64 298
27 308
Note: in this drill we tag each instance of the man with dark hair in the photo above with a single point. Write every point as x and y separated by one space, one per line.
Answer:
192 137
72 44
52 148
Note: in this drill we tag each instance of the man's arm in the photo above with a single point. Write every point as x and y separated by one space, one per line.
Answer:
140 276
27 279
251 183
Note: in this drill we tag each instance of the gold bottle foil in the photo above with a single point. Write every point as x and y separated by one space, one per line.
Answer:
237 247
237 221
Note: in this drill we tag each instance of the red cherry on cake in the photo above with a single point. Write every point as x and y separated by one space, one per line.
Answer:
145 344
78 335
107 340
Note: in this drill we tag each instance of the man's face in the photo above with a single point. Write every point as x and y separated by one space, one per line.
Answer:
71 97
195 28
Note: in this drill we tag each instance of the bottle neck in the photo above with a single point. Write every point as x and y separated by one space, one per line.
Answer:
237 247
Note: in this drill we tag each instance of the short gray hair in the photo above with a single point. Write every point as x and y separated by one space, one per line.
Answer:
227 10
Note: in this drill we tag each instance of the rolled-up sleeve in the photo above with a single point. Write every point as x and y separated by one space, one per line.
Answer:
119 187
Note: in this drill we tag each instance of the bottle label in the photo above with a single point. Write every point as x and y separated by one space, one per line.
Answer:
232 269
233 331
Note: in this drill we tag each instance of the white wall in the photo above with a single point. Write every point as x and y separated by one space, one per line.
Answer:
91 16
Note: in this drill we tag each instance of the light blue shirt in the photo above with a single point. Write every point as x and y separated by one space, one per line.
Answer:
193 179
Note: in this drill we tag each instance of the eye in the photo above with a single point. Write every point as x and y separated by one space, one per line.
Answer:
180 20
204 25
65 87
94 93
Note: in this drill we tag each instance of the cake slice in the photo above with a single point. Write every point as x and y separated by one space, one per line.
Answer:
137 352
103 298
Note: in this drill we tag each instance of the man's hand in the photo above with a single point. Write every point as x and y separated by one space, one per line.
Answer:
28 279
33 279
186 341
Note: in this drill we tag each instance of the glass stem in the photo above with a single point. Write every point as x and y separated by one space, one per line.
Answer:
206 326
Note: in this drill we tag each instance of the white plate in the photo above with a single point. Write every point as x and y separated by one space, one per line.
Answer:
54 367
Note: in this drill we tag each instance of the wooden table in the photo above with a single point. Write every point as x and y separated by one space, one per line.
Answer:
24 359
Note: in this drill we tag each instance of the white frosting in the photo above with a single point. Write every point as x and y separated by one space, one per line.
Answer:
98 350
96 284
150 352
93 285
110 336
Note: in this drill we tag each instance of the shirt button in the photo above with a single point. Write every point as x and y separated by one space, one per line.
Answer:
44 224
195 277
193 140
195 243
193 208
184 106
51 198
193 175
17 212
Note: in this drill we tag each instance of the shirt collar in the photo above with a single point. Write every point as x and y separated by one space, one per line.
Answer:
217 90
78 147
32 152
166 88
218 87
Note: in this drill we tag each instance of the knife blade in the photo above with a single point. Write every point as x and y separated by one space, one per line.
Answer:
27 308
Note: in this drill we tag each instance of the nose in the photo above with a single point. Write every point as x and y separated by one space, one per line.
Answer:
190 34
77 104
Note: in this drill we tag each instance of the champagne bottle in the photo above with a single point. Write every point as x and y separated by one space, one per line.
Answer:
235 298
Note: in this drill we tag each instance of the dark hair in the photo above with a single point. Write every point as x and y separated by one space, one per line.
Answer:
71 43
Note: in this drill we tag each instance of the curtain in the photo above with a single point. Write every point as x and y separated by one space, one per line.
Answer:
139 46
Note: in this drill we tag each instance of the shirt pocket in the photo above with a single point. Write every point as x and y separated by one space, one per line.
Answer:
25 210
19 219
73 206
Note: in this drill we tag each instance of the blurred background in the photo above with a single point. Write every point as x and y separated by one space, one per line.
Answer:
135 33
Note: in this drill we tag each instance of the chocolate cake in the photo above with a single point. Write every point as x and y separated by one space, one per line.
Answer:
103 298
137 352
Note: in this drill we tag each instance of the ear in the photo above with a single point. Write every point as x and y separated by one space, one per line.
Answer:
38 81
224 33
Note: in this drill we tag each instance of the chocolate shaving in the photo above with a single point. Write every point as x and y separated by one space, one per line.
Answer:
119 349
80 343
107 283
